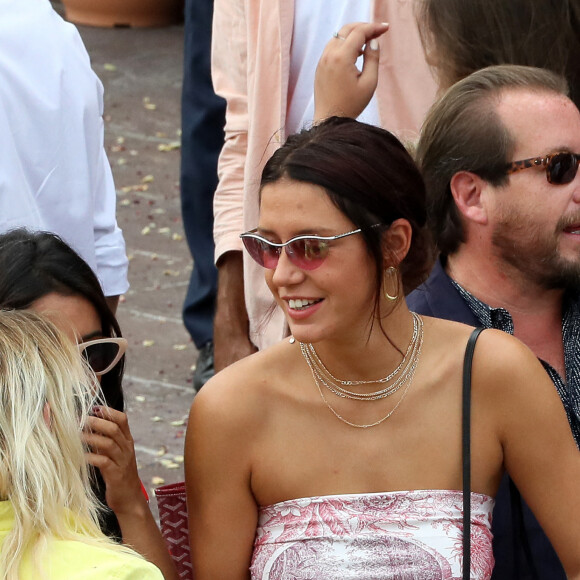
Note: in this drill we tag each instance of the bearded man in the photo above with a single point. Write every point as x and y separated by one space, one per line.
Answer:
499 153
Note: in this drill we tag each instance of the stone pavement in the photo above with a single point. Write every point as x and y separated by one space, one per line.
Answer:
141 70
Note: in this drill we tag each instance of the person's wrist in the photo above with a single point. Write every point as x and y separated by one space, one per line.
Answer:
135 507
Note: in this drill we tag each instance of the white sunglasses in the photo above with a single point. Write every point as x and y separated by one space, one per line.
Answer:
103 354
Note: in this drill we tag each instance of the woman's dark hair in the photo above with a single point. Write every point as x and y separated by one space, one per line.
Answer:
462 36
34 264
370 177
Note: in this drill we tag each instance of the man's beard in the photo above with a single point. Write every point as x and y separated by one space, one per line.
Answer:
535 253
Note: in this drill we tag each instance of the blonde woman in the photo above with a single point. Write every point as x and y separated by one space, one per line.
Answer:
48 516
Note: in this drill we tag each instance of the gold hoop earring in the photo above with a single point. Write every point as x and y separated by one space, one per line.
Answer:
391 271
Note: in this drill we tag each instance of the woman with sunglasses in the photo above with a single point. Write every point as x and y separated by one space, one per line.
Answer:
42 273
337 453
48 517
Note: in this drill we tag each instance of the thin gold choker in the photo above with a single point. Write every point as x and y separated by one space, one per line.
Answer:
403 375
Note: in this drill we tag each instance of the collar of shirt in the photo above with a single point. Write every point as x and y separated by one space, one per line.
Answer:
568 387
498 318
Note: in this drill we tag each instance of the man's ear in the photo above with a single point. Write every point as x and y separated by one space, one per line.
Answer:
397 241
467 189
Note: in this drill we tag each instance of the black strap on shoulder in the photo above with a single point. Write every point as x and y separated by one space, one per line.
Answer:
466 451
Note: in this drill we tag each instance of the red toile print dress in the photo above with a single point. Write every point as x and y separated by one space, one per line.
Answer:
414 535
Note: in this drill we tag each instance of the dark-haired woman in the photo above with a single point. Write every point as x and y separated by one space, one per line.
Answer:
337 453
40 272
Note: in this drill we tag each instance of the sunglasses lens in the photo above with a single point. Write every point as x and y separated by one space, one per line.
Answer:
562 168
262 252
308 253
101 355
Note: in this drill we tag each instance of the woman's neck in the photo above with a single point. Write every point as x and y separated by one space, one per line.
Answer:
373 354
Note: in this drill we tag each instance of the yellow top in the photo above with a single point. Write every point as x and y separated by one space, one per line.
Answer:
73 560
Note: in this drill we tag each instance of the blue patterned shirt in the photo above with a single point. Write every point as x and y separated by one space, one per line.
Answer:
569 387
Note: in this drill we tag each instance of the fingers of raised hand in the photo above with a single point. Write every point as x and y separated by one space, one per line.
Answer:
110 437
104 447
355 35
109 418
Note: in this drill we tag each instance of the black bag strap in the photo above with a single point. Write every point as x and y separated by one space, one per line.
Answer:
466 451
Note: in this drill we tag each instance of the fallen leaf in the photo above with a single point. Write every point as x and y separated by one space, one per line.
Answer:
178 458
109 67
121 161
136 187
156 419
125 202
162 451
171 272
177 237
177 423
156 480
146 230
148 179
148 342
164 230
169 146
140 398
179 346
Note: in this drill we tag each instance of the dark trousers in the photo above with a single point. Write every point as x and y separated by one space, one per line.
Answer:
202 122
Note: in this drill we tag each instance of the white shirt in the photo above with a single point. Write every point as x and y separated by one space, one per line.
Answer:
314 25
54 173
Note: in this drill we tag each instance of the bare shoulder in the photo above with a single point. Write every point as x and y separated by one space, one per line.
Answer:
505 370
444 345
243 391
498 356
447 335
505 358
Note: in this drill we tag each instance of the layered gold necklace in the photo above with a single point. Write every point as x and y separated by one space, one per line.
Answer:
401 377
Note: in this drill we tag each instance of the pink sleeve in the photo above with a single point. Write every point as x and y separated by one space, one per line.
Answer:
229 74
406 87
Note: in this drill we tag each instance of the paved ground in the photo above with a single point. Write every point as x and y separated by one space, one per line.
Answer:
141 70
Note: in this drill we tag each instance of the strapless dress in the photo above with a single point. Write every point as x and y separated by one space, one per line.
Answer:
414 535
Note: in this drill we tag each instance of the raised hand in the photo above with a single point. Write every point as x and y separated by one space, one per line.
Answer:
112 451
340 88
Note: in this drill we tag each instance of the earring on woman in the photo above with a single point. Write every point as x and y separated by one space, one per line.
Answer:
391 272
